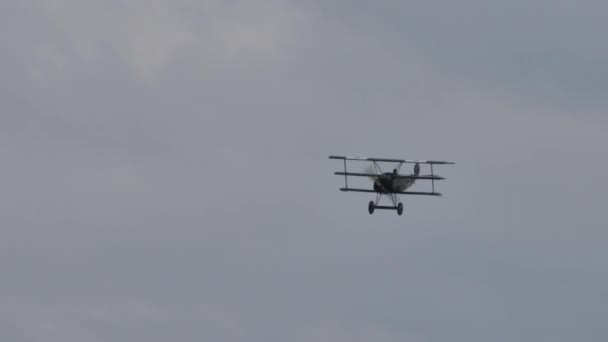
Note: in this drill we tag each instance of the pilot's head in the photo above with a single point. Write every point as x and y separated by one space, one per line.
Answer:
394 171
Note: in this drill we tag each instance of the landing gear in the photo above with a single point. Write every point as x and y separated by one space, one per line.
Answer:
396 206
371 207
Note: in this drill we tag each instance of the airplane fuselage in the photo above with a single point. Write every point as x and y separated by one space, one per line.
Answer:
388 183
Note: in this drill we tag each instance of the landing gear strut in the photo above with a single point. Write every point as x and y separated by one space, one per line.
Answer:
398 206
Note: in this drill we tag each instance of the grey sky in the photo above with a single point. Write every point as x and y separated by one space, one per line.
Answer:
165 171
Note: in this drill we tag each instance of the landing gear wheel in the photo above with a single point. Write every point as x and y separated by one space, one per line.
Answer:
371 207
399 208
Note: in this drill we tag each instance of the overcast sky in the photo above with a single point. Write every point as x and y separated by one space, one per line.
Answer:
165 175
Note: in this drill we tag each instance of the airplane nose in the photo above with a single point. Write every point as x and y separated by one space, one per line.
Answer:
378 186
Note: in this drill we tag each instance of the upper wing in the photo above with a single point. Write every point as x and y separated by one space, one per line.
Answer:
371 175
392 160
395 192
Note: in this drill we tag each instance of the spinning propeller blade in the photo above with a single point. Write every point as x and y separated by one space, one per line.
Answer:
371 170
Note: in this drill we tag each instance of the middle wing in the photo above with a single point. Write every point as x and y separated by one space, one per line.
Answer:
371 175
394 192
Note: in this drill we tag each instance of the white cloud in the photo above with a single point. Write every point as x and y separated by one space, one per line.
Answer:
152 34
162 211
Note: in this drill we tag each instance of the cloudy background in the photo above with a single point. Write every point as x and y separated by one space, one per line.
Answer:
165 173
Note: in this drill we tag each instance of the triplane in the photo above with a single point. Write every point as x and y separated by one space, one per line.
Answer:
391 184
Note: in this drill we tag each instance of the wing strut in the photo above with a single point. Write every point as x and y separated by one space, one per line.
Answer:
433 179
346 177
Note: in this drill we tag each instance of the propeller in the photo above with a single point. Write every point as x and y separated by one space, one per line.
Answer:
370 169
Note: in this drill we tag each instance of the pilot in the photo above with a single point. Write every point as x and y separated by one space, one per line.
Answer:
394 172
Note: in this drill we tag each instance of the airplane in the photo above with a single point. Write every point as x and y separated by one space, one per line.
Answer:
391 184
